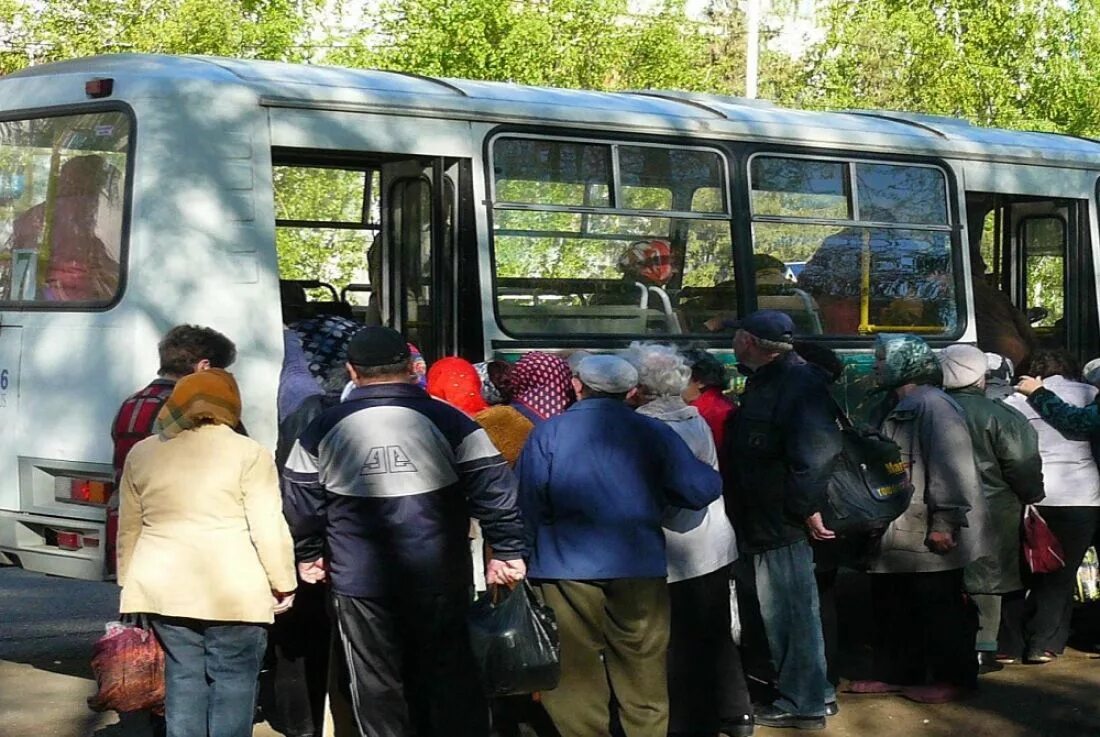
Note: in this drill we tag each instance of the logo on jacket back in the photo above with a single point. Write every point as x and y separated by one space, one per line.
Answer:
387 459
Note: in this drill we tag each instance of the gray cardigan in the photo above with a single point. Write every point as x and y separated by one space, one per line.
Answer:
947 497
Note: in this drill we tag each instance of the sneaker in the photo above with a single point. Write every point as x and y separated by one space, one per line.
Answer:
773 716
936 693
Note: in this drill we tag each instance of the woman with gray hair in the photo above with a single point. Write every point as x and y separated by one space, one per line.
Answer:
707 690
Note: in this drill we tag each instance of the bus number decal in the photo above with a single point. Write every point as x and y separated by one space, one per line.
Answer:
4 388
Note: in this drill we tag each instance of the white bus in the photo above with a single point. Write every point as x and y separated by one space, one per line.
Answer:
139 192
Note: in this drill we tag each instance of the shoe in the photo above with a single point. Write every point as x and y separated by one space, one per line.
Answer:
742 727
871 687
987 663
831 708
1006 659
1039 657
773 716
936 693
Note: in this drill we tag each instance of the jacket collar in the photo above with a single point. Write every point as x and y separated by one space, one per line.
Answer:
387 391
597 404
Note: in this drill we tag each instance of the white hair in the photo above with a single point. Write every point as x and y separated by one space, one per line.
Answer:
662 369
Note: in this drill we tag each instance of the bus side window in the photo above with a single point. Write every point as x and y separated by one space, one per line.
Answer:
1044 250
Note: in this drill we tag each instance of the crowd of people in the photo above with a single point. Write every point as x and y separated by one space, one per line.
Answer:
637 499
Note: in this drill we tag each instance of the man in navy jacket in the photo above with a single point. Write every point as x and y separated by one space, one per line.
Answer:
595 483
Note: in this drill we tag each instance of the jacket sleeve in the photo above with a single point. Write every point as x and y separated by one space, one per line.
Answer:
1017 446
305 503
688 482
533 470
129 524
492 490
812 444
949 469
263 509
1081 422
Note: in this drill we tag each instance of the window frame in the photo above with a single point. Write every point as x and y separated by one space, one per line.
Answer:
728 216
63 111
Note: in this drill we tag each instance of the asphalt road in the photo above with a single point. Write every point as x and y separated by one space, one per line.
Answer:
48 626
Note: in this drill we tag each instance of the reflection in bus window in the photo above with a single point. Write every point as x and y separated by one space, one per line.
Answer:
658 260
61 208
856 279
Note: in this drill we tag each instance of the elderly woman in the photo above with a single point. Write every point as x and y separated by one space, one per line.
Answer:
1071 507
204 551
707 690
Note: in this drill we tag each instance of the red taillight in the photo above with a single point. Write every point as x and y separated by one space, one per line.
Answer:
102 87
92 492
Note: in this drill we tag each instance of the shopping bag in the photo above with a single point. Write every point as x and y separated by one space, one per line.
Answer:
515 641
1042 550
1088 578
128 664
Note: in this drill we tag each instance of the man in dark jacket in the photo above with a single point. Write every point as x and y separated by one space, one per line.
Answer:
1006 448
780 449
380 492
595 483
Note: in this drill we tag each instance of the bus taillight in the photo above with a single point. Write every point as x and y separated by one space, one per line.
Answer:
87 491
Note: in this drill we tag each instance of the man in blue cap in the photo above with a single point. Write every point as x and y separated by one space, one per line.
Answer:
780 450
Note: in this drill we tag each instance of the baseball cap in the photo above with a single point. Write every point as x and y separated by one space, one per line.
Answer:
377 346
770 325
607 374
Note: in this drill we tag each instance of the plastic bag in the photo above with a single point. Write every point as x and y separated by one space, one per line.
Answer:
1042 550
515 642
128 664
1088 578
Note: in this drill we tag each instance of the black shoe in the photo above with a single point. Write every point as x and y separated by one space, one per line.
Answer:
741 727
832 708
1039 657
987 663
773 716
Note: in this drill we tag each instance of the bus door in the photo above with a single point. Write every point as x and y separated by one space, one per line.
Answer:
420 261
1038 253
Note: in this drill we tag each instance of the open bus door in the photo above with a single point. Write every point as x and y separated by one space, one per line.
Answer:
420 257
1039 252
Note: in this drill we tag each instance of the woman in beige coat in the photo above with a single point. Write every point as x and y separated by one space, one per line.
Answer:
203 549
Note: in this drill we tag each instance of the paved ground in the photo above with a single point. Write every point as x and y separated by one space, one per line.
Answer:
47 627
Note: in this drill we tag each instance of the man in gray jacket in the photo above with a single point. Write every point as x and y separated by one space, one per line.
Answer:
925 630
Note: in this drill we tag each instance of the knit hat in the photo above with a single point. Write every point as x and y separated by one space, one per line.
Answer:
963 365
608 374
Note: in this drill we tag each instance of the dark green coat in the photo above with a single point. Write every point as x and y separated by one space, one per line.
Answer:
1006 449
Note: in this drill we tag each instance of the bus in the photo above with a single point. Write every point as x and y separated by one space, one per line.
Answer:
482 219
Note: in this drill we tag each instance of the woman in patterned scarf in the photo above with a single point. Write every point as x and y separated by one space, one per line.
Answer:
541 387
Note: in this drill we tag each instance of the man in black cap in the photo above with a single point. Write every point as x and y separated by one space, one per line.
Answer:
379 494
780 449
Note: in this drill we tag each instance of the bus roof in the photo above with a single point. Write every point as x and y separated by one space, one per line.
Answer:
279 84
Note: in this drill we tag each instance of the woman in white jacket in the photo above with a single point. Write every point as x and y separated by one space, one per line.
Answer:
707 690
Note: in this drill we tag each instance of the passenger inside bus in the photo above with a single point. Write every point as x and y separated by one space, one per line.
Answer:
80 264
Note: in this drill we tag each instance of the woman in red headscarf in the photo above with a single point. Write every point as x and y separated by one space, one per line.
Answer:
456 382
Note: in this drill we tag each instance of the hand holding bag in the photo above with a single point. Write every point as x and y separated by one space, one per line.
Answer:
515 642
1042 550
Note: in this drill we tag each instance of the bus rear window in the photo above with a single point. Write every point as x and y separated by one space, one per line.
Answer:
62 188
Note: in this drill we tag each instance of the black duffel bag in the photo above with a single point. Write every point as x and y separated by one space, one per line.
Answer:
515 641
869 487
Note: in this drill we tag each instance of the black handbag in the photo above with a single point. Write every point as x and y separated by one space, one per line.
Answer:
869 487
515 642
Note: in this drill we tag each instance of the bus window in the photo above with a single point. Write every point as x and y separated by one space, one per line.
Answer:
61 208
1044 242
326 222
608 238
853 248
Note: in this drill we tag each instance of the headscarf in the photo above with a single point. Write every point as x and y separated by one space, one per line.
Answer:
1091 372
200 398
325 342
495 388
543 383
296 383
455 381
907 359
999 376
419 366
651 260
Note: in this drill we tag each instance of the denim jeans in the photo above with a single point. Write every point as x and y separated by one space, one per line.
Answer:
210 675
789 606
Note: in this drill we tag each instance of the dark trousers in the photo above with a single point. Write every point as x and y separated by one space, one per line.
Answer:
830 622
1050 604
210 672
706 686
614 638
410 666
292 690
924 629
